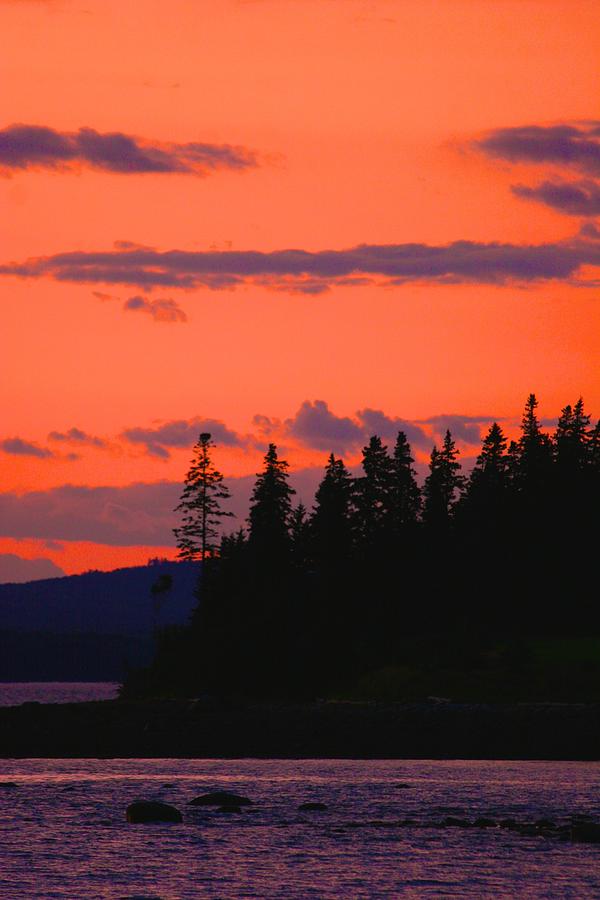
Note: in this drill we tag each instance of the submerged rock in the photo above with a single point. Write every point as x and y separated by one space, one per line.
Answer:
229 808
220 798
313 807
586 832
146 811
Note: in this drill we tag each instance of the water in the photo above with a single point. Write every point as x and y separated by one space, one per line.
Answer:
15 693
63 832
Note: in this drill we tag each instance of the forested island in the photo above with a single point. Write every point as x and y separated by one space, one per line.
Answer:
466 588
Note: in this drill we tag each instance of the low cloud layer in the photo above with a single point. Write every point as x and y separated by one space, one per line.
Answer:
17 570
459 262
39 147
136 514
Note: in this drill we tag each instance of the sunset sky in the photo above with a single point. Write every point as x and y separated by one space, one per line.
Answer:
303 221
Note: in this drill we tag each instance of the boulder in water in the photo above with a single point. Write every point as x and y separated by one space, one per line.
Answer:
452 822
588 833
147 811
220 798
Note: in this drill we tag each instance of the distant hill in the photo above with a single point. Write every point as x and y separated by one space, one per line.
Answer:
92 626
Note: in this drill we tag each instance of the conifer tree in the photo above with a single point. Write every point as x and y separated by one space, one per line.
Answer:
487 493
572 438
594 449
373 494
491 467
200 504
443 484
299 537
270 508
534 451
405 493
331 521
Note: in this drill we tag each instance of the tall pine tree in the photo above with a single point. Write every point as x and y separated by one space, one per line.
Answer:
200 505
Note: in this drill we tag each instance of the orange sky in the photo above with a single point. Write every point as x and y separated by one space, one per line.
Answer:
362 117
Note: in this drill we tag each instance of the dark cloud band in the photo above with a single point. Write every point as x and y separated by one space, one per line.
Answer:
459 262
577 198
570 146
39 147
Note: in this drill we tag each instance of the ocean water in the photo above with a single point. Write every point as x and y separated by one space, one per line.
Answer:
17 692
63 832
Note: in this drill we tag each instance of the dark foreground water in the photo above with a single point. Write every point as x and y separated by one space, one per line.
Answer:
14 693
63 832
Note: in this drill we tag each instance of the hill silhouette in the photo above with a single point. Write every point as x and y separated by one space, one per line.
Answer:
92 626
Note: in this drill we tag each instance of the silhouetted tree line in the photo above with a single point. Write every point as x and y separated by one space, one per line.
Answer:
303 600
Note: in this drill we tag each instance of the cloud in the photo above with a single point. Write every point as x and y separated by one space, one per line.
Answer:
40 147
458 262
181 433
76 436
130 515
119 516
16 570
590 230
316 426
161 310
575 198
463 428
18 447
375 421
570 146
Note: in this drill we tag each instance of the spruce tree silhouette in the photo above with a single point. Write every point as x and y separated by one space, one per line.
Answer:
270 632
373 499
270 511
442 486
331 522
200 504
299 537
405 498
488 482
534 458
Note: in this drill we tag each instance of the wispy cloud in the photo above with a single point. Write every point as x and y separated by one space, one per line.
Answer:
161 310
77 436
18 447
40 147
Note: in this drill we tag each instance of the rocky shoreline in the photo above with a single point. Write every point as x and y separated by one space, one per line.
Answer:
207 728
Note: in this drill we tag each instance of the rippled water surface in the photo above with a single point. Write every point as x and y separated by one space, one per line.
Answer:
16 692
63 832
